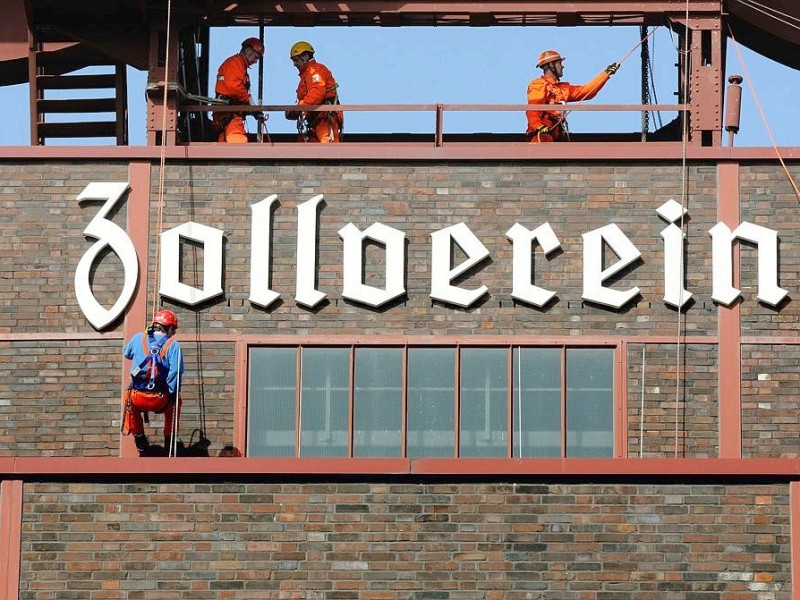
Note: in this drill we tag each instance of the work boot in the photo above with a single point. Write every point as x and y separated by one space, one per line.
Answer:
142 444
168 445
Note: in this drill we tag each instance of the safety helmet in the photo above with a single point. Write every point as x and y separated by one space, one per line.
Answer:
166 318
548 56
299 48
256 44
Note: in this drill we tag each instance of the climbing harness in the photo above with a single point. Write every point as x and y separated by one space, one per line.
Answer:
303 128
151 374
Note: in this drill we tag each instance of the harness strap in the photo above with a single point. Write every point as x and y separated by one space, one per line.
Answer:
153 358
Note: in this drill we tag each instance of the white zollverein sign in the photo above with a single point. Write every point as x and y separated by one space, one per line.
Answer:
443 273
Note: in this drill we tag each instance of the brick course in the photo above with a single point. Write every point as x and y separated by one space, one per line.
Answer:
399 541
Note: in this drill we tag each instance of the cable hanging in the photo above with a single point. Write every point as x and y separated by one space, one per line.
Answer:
686 63
761 113
161 165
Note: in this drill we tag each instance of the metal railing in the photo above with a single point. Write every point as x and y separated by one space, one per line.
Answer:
439 109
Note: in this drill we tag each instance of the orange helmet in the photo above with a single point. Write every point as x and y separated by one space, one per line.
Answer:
166 318
547 57
256 44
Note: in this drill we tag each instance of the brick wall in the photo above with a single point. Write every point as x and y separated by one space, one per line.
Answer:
679 420
59 398
41 242
405 541
770 401
767 199
420 199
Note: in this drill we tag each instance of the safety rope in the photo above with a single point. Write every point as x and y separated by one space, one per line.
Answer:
641 409
172 450
762 114
564 114
519 399
686 63
162 162
773 13
645 84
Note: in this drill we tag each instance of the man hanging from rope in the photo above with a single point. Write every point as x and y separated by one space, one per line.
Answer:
233 85
551 126
156 373
317 86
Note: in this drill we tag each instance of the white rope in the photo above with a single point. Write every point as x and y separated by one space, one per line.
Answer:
162 161
173 443
519 399
684 192
641 410
772 13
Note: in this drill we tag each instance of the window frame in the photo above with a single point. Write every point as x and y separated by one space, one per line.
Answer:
618 408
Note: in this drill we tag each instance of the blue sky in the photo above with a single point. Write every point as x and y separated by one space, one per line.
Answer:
468 66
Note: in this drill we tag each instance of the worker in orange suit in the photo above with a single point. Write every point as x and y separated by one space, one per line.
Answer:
233 85
551 126
317 86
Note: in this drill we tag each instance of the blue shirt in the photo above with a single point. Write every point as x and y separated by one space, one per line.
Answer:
173 360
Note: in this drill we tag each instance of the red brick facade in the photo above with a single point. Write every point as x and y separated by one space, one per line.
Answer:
487 533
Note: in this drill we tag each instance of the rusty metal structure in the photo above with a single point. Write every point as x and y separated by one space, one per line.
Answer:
45 41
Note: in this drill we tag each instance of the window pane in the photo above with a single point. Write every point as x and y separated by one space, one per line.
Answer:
377 419
324 402
484 402
590 402
536 402
271 402
431 394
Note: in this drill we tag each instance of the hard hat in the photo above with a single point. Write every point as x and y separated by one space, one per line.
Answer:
299 48
166 318
256 44
548 56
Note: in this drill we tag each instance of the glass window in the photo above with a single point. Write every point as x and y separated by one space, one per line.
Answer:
431 402
590 402
325 402
271 415
484 402
536 405
562 402
378 404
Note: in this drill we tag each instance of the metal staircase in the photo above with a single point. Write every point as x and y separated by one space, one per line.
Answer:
76 91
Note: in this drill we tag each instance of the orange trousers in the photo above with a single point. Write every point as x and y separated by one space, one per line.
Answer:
138 402
327 131
234 132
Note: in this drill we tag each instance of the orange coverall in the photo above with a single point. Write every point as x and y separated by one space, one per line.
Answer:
546 90
233 83
317 86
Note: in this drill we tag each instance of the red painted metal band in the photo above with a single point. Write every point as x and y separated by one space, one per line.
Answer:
794 527
414 151
110 468
730 368
10 537
139 232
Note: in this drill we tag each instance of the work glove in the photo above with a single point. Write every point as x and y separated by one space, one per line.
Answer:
292 115
612 68
542 129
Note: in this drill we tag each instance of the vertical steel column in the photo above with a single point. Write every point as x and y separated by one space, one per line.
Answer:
160 81
729 325
10 538
138 205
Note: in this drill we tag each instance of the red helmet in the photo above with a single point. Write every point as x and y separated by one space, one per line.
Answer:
166 318
256 44
547 57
